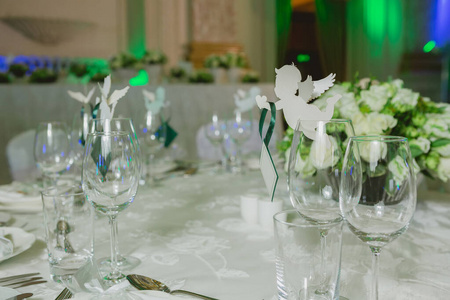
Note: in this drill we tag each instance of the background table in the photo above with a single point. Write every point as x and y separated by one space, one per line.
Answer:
24 106
188 233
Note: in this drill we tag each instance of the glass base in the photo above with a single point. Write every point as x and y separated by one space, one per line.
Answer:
124 263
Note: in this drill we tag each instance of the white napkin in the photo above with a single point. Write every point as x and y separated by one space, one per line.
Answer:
6 293
20 197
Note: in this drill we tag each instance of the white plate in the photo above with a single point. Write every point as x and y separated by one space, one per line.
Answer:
21 239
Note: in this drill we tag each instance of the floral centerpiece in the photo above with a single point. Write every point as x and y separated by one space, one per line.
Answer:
18 70
125 65
387 108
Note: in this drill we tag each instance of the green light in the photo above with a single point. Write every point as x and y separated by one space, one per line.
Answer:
140 79
303 58
429 46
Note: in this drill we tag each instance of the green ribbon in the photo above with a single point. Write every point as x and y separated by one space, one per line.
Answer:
273 112
266 139
166 132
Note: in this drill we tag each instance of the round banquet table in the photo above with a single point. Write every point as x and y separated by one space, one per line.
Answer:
188 233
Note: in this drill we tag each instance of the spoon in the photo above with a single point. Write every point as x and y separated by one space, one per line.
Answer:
146 283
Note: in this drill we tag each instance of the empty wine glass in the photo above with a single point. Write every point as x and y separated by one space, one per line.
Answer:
215 132
315 162
52 151
377 192
152 135
110 181
80 129
126 125
240 130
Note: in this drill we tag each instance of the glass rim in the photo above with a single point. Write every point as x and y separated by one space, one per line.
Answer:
338 121
46 192
379 138
307 223
109 133
112 119
52 122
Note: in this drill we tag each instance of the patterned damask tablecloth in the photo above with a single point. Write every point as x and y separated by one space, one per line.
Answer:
189 234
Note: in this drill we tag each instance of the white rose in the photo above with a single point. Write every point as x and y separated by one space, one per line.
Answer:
324 152
446 106
379 123
376 97
422 143
437 127
360 124
443 117
347 106
397 83
443 169
405 98
302 166
399 169
372 151
443 150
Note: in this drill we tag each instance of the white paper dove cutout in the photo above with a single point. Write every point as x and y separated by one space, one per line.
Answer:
245 101
295 107
154 103
108 104
81 97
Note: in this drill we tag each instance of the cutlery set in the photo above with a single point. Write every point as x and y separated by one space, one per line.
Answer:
18 281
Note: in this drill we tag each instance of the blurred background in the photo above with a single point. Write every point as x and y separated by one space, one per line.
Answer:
49 46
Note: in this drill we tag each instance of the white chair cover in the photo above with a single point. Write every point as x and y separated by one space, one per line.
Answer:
19 151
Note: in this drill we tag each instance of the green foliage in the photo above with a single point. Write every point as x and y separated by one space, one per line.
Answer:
18 70
5 78
43 76
201 76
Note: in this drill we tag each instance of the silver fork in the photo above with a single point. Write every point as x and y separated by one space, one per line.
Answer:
65 294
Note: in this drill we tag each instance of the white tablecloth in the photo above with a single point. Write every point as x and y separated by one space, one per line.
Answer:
188 233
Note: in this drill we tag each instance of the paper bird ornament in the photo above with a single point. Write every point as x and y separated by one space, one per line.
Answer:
245 101
85 99
108 103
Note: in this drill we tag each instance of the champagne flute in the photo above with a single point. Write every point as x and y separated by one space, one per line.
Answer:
52 151
215 132
315 161
110 181
119 124
240 130
377 192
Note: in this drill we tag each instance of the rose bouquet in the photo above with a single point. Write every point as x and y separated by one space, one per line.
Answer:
386 108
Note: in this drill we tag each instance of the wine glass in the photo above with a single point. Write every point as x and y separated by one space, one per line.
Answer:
240 130
314 171
152 133
119 124
80 129
377 192
110 181
52 151
216 132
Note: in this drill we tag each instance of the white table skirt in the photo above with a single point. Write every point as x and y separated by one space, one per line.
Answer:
189 233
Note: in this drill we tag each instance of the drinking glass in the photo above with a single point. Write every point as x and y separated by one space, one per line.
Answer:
377 192
298 259
52 151
240 130
215 132
152 135
110 181
126 125
68 220
314 172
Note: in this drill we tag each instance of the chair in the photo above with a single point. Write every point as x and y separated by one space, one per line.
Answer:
19 152
206 150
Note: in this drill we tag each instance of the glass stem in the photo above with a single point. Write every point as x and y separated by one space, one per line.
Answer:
239 156
115 272
375 269
323 269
